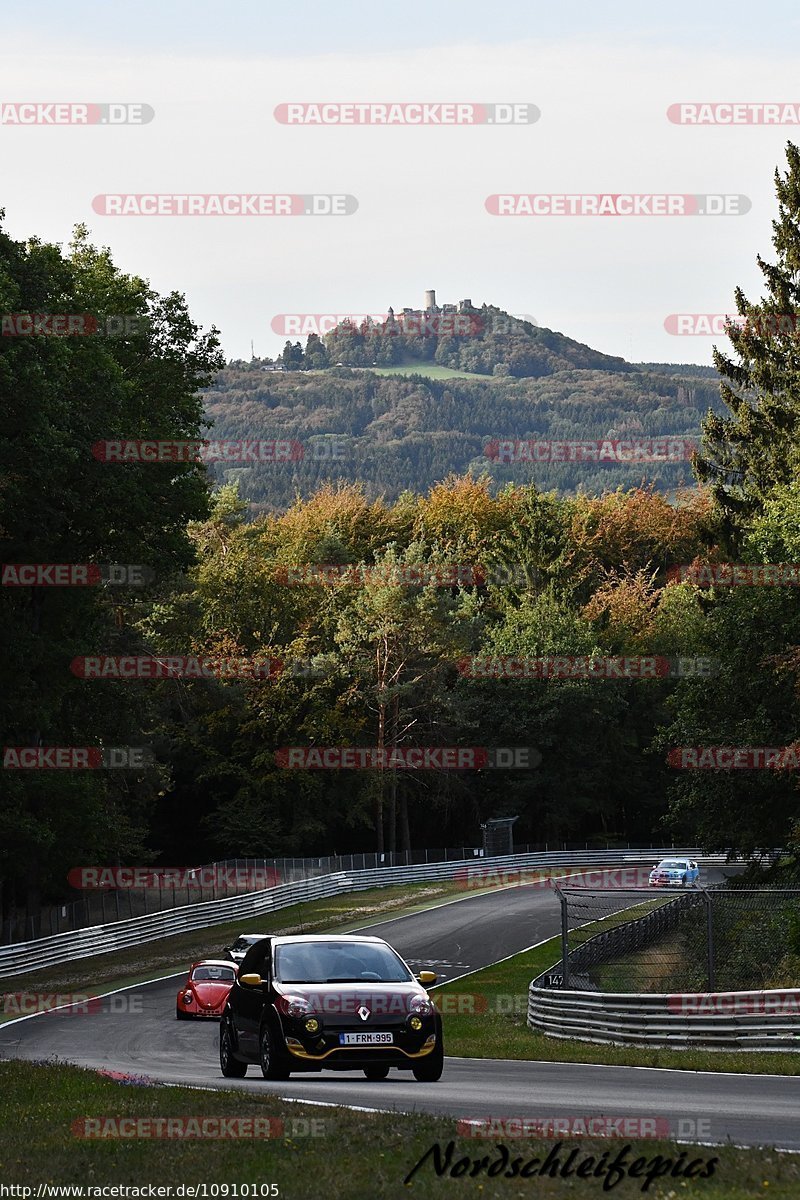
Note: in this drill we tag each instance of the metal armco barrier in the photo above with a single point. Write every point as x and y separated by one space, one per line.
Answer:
212 882
121 935
766 1020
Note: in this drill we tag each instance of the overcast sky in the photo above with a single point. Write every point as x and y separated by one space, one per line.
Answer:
603 76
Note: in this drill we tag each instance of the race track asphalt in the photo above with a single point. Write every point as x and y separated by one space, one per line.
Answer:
135 1032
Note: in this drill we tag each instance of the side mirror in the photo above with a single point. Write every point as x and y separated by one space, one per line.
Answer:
251 980
427 978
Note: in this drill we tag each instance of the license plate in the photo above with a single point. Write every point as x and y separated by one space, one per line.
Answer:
366 1039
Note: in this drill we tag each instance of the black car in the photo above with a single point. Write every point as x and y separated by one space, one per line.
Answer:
322 1002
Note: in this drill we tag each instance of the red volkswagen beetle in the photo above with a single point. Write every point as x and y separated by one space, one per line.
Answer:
206 990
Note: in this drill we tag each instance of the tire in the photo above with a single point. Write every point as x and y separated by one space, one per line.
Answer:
376 1073
181 1015
230 1067
272 1057
429 1069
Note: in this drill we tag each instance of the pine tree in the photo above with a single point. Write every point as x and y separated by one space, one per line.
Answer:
749 452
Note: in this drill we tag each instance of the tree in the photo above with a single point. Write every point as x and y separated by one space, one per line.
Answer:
60 504
292 356
316 356
753 699
746 453
396 640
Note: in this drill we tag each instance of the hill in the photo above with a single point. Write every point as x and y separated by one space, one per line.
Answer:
443 404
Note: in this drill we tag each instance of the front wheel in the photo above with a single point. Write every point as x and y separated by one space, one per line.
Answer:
271 1056
231 1067
375 1074
181 1015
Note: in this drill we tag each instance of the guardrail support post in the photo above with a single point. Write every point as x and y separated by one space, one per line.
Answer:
564 940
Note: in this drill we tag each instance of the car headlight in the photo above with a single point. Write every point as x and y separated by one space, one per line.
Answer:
187 997
294 1006
421 1005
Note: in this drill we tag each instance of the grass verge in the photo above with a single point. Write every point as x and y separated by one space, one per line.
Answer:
485 1017
139 964
357 1155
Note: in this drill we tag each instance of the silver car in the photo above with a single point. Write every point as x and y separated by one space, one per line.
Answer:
237 951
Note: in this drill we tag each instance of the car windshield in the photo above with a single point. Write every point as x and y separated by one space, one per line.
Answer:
219 974
244 943
339 962
672 865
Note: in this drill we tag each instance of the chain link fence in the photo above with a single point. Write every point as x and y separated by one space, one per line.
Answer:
725 937
228 877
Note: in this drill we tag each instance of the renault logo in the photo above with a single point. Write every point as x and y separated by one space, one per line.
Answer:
363 1013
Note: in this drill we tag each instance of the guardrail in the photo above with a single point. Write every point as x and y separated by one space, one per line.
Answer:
121 935
760 1020
219 880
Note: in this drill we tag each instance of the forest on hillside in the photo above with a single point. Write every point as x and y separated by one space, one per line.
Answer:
349 616
395 433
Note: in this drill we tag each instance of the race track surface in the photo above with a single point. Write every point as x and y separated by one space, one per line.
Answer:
136 1032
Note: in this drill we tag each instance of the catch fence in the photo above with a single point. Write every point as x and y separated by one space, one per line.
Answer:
118 935
233 877
638 940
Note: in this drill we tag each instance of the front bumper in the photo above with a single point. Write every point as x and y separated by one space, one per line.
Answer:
323 1046
195 1010
358 1056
